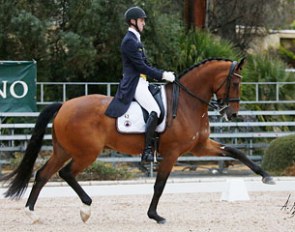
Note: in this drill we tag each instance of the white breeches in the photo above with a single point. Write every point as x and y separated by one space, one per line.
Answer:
144 97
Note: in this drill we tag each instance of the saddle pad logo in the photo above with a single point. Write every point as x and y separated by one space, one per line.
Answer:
127 123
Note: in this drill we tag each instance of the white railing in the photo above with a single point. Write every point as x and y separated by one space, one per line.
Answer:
14 136
107 88
246 135
277 97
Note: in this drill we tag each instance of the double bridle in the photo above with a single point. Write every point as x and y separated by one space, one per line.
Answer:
220 104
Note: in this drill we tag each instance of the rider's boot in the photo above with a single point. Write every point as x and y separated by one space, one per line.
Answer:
152 122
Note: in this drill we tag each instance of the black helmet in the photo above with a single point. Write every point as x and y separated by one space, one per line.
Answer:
134 13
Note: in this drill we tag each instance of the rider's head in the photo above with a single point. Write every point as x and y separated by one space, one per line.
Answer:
135 17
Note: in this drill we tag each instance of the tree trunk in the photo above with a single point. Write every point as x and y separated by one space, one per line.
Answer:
195 13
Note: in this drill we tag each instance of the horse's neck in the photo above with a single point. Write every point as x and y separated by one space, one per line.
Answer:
200 83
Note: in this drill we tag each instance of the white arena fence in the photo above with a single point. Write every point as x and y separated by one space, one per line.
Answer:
250 132
250 135
260 92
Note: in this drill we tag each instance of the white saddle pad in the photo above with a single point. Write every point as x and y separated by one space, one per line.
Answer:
132 121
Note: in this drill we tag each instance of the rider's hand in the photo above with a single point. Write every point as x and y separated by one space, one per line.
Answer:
168 76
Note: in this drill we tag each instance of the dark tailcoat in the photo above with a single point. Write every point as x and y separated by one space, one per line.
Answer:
134 64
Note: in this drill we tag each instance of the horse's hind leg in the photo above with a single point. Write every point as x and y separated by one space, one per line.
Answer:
68 173
42 176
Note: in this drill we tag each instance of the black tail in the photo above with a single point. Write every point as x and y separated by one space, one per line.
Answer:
24 171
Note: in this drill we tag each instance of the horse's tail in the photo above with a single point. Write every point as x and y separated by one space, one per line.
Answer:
23 172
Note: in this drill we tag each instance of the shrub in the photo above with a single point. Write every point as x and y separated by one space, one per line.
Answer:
288 55
97 171
105 171
267 68
197 45
280 155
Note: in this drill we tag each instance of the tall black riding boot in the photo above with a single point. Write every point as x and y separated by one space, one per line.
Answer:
151 125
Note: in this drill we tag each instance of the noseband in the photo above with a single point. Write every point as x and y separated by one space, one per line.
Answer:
220 105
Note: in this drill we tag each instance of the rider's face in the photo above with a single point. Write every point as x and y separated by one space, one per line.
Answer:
140 23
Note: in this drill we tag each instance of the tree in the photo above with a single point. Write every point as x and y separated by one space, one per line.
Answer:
240 21
21 33
80 40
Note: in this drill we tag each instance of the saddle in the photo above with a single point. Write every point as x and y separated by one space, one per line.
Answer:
134 120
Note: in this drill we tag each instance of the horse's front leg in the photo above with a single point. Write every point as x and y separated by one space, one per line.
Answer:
162 176
213 148
237 154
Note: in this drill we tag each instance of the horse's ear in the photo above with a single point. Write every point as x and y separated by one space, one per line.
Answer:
241 63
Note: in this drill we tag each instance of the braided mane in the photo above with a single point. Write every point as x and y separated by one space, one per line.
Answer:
201 63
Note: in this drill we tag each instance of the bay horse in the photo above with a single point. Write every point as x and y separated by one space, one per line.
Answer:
81 131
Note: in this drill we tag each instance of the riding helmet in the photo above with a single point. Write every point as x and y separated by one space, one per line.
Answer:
134 13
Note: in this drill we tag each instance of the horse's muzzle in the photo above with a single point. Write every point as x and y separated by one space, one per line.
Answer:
228 112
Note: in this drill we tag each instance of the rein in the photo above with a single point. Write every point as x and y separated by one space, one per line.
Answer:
193 95
214 105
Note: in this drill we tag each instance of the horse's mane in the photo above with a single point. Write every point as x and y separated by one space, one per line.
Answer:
201 63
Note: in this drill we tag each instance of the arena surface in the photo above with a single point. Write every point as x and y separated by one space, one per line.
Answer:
188 205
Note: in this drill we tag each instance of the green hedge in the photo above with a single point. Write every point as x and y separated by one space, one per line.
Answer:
105 171
280 154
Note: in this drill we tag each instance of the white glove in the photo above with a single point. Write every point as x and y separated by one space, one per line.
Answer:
168 76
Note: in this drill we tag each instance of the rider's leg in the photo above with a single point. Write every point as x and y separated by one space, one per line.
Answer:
151 125
147 101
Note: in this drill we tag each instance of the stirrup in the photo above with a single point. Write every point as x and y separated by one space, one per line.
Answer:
147 155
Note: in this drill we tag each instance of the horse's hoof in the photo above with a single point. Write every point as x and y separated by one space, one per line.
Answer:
268 180
162 221
157 218
32 215
85 212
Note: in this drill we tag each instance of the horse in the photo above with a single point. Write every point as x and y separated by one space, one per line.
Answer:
81 131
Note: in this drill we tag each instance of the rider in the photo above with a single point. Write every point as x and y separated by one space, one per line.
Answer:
134 84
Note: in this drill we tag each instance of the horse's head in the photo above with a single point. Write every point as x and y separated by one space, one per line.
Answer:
227 90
